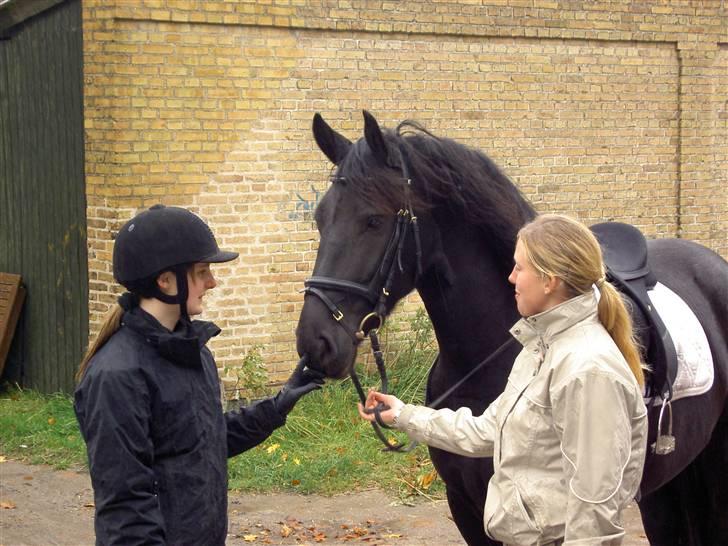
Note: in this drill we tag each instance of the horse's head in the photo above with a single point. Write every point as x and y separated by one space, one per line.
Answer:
368 244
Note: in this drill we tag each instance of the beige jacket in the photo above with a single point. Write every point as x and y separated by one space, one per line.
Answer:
567 436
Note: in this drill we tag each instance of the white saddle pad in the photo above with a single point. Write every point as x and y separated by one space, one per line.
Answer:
694 360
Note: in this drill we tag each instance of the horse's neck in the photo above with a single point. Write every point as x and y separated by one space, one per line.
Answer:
468 299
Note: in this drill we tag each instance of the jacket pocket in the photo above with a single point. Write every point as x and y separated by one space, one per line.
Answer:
526 514
507 517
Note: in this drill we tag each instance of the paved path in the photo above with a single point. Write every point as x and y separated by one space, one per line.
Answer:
41 506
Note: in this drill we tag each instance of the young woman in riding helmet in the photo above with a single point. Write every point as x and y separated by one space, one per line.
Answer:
148 398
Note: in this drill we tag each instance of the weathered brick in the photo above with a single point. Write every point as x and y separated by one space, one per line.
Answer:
591 111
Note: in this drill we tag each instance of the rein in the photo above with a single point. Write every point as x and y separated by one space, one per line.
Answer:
400 448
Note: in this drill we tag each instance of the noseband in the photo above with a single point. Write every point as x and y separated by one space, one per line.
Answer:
375 292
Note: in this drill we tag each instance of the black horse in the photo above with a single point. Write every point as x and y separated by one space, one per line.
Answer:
468 214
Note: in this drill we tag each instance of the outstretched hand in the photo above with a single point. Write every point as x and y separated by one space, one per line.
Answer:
392 404
302 381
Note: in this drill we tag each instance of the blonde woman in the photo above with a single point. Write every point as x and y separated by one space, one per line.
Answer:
148 399
568 435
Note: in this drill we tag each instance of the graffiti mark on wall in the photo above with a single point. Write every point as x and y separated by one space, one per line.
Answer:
304 207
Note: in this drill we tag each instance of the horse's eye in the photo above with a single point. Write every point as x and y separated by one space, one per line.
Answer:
374 222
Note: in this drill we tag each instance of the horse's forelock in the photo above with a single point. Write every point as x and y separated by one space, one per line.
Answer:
378 185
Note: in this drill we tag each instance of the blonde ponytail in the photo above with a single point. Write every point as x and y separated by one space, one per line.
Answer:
616 320
111 324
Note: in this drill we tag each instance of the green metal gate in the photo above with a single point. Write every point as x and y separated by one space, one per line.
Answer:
42 191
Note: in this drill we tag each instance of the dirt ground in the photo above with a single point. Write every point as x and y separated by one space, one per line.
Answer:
41 506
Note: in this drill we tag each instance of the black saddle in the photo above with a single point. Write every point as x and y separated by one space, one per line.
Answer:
625 254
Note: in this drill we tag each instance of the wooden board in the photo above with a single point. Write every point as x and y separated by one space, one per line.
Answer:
12 295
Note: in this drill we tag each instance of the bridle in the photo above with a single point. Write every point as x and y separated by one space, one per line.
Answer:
376 292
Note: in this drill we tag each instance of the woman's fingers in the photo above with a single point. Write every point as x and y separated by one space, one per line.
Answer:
374 398
363 415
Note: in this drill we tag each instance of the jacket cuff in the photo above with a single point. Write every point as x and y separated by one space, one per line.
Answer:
404 417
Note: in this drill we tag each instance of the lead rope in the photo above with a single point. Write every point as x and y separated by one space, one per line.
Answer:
400 447
379 424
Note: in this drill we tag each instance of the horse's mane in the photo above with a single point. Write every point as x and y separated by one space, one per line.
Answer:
444 175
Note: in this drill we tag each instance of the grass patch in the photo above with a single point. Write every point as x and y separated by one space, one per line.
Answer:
40 429
324 448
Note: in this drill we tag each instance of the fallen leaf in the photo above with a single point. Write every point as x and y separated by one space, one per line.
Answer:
271 448
51 420
295 482
285 530
297 461
319 537
250 538
392 535
425 481
7 505
89 505
27 478
2 459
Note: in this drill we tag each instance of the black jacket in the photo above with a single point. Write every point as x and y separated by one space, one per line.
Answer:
158 441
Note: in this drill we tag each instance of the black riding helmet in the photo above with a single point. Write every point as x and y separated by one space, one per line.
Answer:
163 239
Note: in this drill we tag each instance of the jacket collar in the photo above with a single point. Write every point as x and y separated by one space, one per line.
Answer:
182 346
545 326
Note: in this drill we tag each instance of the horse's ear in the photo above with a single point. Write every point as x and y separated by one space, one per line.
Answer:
375 138
334 145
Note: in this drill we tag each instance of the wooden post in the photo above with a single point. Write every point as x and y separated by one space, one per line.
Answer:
12 295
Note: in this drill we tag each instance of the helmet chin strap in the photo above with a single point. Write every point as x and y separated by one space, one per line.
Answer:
180 273
182 291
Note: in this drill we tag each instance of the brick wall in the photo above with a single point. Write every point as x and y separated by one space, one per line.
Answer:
608 110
